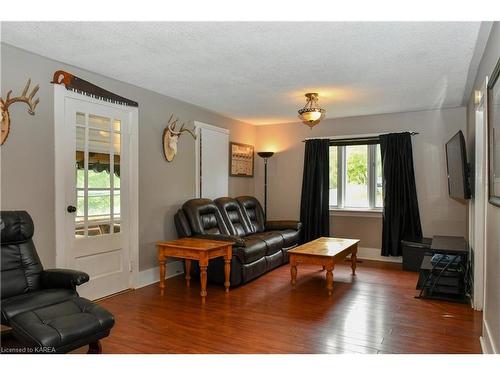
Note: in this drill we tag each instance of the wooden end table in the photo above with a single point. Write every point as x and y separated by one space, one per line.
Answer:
198 249
324 251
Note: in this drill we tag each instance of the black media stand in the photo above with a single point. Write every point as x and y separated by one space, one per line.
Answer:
445 278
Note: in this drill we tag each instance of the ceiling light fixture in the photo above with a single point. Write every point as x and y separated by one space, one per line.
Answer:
312 113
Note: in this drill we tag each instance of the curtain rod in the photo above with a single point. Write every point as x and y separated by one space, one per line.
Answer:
358 136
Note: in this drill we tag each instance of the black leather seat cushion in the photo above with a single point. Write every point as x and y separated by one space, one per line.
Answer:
291 237
62 324
254 249
273 240
29 301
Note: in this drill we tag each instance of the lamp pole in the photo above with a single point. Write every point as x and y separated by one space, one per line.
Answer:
265 155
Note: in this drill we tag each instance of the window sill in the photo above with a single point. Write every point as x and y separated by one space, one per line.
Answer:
353 212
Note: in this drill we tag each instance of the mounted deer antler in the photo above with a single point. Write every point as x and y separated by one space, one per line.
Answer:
5 104
171 137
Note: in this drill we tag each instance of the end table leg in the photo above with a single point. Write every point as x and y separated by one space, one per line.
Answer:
203 280
354 258
329 279
161 260
293 270
227 270
187 263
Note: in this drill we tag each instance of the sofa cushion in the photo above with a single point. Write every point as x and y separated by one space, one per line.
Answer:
233 216
59 325
29 301
204 217
274 260
254 249
253 213
273 240
291 237
253 270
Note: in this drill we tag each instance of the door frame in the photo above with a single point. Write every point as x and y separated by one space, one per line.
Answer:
480 198
60 96
198 125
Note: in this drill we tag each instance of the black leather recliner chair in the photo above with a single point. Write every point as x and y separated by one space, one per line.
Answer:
42 306
258 246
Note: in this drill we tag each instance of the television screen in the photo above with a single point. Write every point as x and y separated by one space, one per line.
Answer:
458 170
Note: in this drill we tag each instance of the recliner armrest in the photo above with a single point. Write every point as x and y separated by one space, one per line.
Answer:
283 224
237 241
62 278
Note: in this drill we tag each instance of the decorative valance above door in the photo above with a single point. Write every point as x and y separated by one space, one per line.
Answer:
81 86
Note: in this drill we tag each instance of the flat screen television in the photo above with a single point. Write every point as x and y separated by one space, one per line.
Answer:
457 167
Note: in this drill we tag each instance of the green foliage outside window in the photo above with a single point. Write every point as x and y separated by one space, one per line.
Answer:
357 166
333 167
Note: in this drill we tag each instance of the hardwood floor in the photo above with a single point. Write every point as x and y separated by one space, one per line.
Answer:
373 312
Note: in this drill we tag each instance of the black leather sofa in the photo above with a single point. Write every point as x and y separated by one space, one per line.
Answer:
42 306
258 245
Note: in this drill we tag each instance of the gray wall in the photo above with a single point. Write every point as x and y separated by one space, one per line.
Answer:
491 312
439 213
27 158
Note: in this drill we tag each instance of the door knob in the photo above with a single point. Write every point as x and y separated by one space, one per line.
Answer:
71 209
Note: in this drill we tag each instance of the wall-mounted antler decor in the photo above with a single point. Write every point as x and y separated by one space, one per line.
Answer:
171 137
24 98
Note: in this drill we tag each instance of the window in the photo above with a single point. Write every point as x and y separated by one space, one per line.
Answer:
356 176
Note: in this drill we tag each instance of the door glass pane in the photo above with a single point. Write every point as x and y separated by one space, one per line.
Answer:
378 178
117 210
99 209
103 123
99 141
117 125
356 194
80 118
97 174
99 171
333 175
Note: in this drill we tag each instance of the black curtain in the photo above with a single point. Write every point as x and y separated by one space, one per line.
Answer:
401 218
314 203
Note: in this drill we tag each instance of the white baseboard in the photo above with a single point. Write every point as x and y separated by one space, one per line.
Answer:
370 253
152 275
487 345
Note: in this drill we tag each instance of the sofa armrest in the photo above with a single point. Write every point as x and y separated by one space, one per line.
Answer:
237 241
283 224
62 278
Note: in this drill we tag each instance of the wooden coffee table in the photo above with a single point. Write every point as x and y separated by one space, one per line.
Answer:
324 251
198 249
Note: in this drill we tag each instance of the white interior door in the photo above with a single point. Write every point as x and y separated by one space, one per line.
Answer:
212 161
97 192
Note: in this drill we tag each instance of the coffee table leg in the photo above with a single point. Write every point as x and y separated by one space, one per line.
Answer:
187 262
162 260
203 279
227 269
329 279
293 270
354 259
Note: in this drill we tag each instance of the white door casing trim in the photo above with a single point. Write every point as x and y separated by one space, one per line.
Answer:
198 125
480 200
60 96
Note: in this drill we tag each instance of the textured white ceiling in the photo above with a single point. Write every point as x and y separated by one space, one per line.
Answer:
258 72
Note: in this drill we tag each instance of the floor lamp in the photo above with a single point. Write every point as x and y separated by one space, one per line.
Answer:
265 155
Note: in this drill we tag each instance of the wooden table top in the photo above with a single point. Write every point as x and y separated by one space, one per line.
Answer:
324 246
190 243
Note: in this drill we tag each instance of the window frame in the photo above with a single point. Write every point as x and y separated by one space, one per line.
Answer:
341 179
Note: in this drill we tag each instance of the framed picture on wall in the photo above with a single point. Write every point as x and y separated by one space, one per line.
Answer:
494 136
241 160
